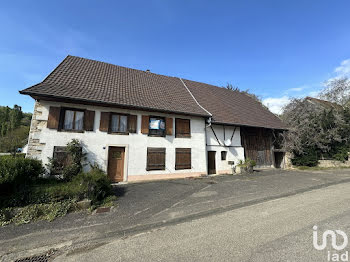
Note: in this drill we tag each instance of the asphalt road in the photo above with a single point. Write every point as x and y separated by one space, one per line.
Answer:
144 207
276 230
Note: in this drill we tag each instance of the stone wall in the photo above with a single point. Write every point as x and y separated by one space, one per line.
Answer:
333 163
35 147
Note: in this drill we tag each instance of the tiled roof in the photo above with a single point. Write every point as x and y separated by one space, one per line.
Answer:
324 103
87 80
84 79
233 107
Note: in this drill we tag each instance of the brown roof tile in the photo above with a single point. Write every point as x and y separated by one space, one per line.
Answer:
233 107
85 79
88 80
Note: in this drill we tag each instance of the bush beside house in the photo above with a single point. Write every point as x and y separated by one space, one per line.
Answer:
27 196
319 129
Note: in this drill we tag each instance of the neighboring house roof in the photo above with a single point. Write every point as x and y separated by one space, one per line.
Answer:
323 103
81 79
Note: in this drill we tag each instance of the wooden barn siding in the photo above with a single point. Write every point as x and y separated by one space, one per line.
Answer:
257 143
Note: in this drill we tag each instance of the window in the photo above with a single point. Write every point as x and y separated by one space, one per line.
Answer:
223 155
183 158
155 158
61 158
73 120
156 126
182 127
119 123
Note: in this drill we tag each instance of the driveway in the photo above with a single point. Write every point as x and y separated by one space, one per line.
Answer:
145 206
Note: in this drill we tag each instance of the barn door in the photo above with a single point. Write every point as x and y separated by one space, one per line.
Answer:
257 145
116 156
211 162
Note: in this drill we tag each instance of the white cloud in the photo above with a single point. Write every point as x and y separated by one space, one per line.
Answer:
343 69
276 104
296 89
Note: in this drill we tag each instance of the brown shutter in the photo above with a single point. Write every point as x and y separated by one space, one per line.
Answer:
182 127
144 124
169 126
155 158
54 117
89 119
104 122
132 123
183 158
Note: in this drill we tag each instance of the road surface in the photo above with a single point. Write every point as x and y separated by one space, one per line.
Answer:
276 230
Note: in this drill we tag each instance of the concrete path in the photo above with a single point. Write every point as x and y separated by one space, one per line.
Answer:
148 206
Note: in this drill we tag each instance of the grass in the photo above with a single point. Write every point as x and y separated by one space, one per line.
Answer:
47 199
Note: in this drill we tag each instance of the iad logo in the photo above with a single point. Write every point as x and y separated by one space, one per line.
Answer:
332 256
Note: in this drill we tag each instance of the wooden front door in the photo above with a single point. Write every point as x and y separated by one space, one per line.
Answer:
211 162
116 157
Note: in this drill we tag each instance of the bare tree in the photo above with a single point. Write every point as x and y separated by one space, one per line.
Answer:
337 90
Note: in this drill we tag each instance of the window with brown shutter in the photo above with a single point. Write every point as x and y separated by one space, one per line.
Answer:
72 119
183 158
157 126
182 127
54 117
118 124
155 158
89 120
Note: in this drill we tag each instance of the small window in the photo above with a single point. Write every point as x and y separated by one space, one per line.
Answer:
155 158
119 123
223 155
182 127
73 120
183 158
156 126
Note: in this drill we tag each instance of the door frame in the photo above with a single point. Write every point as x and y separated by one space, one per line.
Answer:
126 157
210 151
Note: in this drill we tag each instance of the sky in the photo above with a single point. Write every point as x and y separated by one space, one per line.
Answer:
275 49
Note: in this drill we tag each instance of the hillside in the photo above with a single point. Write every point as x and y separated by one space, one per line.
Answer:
14 128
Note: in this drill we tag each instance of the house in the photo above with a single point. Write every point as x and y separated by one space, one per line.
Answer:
138 125
322 104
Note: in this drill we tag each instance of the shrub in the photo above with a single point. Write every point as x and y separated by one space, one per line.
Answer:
17 172
70 165
94 185
309 158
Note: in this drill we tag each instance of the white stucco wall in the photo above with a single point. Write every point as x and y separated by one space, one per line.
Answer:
235 151
95 143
